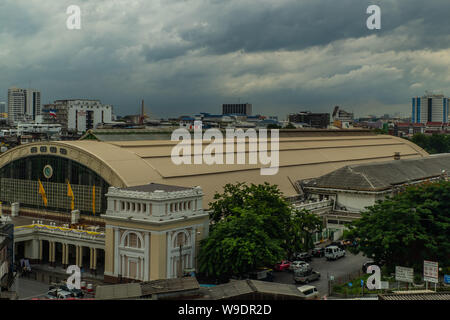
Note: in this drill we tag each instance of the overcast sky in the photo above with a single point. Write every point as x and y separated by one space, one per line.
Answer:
189 56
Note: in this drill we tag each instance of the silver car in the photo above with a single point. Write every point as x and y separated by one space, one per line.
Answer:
299 265
307 276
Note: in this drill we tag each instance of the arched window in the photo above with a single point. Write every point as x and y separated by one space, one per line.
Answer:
181 238
132 240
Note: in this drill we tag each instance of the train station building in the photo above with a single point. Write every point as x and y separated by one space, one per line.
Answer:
136 207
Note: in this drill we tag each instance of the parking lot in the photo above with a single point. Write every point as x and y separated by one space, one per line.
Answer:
337 268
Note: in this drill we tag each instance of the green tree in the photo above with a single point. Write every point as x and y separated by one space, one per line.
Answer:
264 199
304 224
238 245
435 143
253 226
407 228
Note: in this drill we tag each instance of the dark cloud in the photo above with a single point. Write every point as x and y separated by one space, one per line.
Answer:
193 55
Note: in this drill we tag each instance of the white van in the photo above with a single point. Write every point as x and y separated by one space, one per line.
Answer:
310 292
334 252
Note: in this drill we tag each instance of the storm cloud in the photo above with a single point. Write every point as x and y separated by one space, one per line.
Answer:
189 56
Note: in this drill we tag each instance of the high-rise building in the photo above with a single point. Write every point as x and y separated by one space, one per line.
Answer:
77 115
314 120
341 115
430 108
3 107
23 104
237 108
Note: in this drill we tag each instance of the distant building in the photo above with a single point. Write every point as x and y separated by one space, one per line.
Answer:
430 108
77 115
314 120
239 108
24 105
3 107
353 188
341 115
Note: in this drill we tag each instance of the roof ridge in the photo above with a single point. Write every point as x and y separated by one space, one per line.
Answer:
364 176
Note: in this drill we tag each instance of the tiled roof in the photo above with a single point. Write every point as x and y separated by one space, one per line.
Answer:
382 175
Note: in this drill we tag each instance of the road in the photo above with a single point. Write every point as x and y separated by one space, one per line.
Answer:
340 267
27 289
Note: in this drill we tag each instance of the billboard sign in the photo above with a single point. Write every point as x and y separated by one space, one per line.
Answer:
430 271
404 274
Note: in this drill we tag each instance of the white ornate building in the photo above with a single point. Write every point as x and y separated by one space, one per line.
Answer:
153 231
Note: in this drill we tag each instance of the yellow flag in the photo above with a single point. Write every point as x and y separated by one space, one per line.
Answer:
70 194
93 200
42 192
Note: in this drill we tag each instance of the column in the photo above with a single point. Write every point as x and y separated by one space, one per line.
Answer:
63 256
90 260
146 256
51 258
67 254
116 252
78 263
94 262
41 246
81 256
122 269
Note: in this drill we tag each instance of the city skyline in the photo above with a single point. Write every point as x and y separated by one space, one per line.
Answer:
185 57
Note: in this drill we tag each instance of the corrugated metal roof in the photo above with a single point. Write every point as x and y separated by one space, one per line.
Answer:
169 285
237 288
118 291
133 163
412 295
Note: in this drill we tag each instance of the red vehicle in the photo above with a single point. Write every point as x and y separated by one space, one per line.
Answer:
283 265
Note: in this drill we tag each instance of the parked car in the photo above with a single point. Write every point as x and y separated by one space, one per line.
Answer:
347 242
318 252
334 252
78 293
305 256
299 265
264 274
59 294
302 276
310 292
283 265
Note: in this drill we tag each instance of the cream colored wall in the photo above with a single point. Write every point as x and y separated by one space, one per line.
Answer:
109 250
158 256
158 242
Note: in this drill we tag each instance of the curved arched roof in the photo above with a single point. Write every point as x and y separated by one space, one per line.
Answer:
131 163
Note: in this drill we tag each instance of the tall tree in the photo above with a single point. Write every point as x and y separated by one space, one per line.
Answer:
264 199
408 228
238 245
253 226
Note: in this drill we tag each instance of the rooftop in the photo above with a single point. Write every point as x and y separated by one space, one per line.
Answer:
146 289
302 155
416 295
239 288
382 175
152 187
